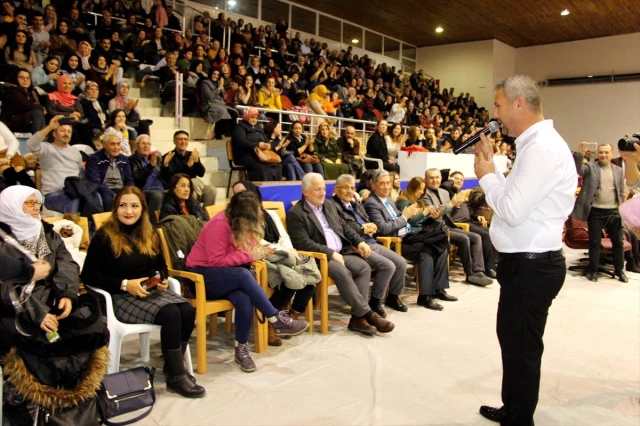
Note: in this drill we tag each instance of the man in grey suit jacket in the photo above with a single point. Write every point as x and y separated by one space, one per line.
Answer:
433 272
469 243
597 204
314 225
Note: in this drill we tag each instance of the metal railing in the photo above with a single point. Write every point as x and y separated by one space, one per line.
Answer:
97 15
179 100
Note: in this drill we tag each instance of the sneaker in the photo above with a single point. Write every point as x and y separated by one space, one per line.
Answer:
285 326
243 358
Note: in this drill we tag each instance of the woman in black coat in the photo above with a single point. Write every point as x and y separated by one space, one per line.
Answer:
21 111
52 298
377 148
246 136
180 199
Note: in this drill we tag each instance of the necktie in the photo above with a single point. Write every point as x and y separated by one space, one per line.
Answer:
390 209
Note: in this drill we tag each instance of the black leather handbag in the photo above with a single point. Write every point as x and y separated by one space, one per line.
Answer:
128 391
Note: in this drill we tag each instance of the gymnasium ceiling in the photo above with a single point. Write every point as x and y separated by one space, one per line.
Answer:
518 23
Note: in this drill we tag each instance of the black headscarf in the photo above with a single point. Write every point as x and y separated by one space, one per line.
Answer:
271 233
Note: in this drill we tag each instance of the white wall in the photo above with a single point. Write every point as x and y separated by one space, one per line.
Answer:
504 61
468 67
587 112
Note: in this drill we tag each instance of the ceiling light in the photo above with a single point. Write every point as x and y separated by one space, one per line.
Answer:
355 41
216 7
564 12
232 3
439 30
589 76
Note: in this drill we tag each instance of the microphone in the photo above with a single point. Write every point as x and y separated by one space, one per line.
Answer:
491 128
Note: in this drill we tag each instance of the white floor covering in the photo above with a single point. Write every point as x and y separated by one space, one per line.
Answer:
435 368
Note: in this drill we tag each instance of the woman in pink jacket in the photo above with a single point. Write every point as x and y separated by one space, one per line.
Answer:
227 245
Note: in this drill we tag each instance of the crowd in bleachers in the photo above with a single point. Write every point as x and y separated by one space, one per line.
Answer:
91 152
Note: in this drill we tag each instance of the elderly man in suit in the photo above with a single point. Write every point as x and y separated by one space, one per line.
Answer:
597 204
469 244
314 225
390 268
433 272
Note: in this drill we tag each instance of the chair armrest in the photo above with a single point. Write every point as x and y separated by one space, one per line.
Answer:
463 226
261 274
324 262
198 280
107 299
174 285
387 241
377 160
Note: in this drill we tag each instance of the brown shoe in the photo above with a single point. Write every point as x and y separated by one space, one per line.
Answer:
294 315
381 324
361 325
273 340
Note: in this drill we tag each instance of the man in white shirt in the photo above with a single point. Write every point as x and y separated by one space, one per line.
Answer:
530 207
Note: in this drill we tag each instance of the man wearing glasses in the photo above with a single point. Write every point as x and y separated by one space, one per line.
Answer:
389 267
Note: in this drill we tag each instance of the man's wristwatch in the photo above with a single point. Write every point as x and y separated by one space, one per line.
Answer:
123 286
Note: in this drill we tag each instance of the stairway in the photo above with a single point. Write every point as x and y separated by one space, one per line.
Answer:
213 153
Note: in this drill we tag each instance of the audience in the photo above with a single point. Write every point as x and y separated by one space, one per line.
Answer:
377 148
109 169
21 111
329 153
123 255
145 165
290 166
180 160
227 243
180 199
303 149
58 161
334 238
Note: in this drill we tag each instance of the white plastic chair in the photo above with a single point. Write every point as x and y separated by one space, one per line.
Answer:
119 330
85 148
377 160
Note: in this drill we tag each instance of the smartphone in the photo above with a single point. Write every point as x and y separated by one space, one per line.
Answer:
66 121
152 282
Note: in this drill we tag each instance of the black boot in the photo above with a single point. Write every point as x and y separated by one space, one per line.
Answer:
177 379
184 349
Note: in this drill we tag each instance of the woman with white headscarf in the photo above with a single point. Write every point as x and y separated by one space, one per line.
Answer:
24 234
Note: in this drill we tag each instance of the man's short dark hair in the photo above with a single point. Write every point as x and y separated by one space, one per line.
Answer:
457 172
36 13
178 132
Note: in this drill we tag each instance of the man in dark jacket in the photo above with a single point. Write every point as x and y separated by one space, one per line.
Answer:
377 148
145 167
109 169
187 162
314 225
390 267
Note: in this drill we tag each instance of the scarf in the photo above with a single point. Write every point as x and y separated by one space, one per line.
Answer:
121 101
94 101
64 99
318 93
251 111
23 226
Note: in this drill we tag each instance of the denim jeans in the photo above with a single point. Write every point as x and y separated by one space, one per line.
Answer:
59 202
292 168
239 286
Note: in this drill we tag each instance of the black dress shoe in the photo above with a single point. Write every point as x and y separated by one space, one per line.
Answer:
592 276
491 273
429 303
395 303
376 306
443 295
493 414
622 277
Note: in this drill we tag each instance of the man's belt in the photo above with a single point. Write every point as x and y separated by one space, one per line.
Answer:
531 256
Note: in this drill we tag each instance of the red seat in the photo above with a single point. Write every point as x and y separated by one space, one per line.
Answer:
287 105
378 115
230 97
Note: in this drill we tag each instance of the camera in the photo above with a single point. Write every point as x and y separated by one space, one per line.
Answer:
626 144
66 121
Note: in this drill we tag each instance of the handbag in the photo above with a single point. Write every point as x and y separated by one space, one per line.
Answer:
309 158
267 156
128 391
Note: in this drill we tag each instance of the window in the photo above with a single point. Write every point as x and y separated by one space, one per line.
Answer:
351 35
372 42
273 10
243 7
391 48
408 51
303 20
329 28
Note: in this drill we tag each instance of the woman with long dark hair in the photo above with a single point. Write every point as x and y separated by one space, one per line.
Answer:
105 75
72 66
377 148
227 244
124 253
46 75
18 51
61 41
181 199
303 149
118 121
21 111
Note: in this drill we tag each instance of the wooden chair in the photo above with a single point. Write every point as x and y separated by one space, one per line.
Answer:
210 308
100 218
215 209
233 167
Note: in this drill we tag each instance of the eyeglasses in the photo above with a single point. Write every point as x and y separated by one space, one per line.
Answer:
31 203
351 188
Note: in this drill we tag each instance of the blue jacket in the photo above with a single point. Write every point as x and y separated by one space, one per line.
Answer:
96 170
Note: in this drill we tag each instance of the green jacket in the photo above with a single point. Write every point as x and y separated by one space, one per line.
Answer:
415 221
328 150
